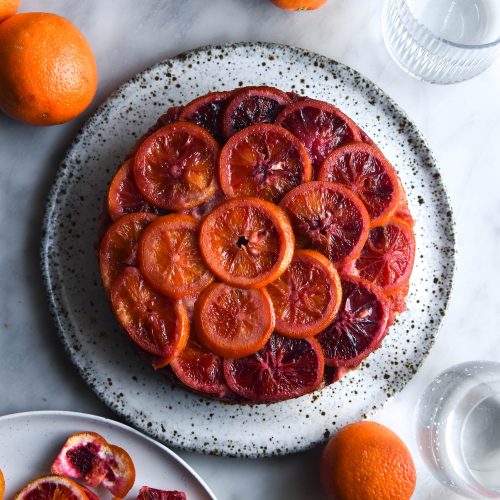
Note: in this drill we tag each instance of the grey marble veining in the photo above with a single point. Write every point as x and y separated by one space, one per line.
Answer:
462 126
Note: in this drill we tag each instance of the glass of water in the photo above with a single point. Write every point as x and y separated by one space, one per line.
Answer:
442 41
457 426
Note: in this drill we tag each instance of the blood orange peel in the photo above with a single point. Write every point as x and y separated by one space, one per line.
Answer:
170 257
265 161
247 242
307 296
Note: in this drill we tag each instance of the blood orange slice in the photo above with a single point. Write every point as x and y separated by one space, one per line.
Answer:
120 476
364 137
403 212
388 255
306 297
147 493
253 105
207 111
170 116
123 195
320 126
329 218
170 257
359 325
83 456
159 326
175 168
119 245
247 242
284 368
207 206
265 161
234 322
365 170
200 369
51 488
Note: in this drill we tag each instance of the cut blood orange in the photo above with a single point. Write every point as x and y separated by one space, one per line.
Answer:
320 126
397 302
120 476
364 137
306 297
265 161
359 325
51 488
403 212
2 485
84 456
207 112
234 322
147 493
365 170
170 257
119 245
90 494
207 206
388 255
200 369
159 326
123 195
253 105
284 368
175 168
247 242
329 218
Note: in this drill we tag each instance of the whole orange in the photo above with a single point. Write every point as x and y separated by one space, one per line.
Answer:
299 4
367 461
8 8
48 73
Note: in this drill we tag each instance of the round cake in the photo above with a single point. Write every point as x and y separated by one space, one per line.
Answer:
258 246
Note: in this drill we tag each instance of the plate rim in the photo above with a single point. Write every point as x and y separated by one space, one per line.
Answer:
112 423
52 198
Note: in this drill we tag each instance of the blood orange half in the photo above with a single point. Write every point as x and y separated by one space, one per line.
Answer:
159 326
147 493
329 218
175 168
320 126
265 161
284 368
51 488
365 170
359 326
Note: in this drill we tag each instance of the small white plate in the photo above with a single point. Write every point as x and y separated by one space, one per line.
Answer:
29 443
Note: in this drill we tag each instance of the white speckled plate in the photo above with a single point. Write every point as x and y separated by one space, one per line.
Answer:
102 353
31 441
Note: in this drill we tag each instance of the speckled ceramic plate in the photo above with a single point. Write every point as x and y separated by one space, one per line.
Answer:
103 354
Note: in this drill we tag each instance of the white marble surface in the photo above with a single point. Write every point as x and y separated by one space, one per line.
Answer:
462 126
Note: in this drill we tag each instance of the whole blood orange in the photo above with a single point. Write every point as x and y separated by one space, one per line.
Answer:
299 4
8 8
367 461
51 488
48 73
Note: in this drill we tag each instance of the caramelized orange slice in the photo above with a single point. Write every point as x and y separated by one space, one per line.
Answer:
170 258
247 242
307 296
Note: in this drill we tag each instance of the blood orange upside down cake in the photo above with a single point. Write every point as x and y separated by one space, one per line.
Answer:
260 247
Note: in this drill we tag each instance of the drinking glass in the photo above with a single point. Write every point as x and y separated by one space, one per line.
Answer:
442 41
457 426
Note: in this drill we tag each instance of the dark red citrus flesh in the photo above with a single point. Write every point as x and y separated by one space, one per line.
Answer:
175 168
206 111
253 105
284 368
147 493
387 256
156 324
329 218
265 161
359 326
52 488
307 296
170 258
364 169
200 369
119 245
247 242
123 195
320 126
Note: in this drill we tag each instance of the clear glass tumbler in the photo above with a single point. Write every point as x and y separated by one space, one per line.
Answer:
457 426
442 41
